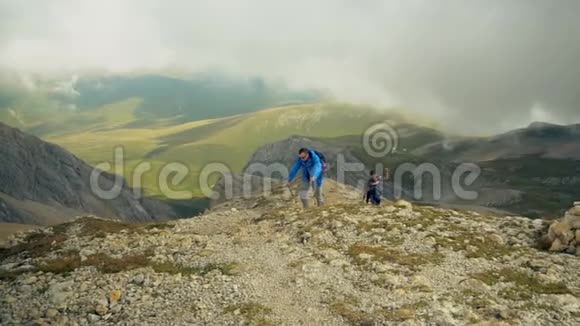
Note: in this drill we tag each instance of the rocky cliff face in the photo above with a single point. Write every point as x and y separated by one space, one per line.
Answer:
264 261
41 183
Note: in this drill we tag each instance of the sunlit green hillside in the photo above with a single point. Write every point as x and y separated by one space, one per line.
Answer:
229 140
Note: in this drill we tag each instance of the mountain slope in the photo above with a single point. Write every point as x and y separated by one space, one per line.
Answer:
29 101
230 140
264 261
532 186
41 183
539 140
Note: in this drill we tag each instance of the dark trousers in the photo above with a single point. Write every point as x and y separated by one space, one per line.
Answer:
374 197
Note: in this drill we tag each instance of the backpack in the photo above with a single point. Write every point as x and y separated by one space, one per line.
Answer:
320 155
325 165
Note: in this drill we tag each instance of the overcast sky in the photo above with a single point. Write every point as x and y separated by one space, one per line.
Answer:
479 66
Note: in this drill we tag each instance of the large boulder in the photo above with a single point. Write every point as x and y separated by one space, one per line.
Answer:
572 217
564 235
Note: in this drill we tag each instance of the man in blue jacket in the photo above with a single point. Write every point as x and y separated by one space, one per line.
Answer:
312 175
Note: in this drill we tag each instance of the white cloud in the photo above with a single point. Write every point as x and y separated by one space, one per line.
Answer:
476 65
67 88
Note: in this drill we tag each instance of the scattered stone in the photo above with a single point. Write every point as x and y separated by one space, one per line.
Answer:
9 266
92 318
25 289
114 296
381 268
421 282
305 238
401 203
475 285
364 256
40 322
139 279
442 317
340 265
51 313
116 309
101 309
497 239
563 235
330 254
568 301
558 246
10 299
30 280
59 293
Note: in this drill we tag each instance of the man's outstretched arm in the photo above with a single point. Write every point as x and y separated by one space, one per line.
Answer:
294 171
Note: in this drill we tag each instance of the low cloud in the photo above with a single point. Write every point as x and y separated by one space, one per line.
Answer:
476 66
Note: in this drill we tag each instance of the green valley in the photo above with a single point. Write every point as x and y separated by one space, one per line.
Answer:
94 135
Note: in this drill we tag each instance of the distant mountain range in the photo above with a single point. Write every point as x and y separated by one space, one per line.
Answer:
533 171
205 119
33 102
542 140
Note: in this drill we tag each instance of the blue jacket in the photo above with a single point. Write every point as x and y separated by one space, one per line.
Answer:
312 167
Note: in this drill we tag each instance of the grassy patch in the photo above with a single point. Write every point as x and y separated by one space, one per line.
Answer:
230 269
62 265
171 268
230 140
405 312
379 253
109 265
254 313
474 299
104 263
9 275
427 217
525 284
37 244
100 228
476 245
351 314
41 244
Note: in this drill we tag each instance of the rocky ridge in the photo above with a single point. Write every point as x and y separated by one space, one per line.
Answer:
264 261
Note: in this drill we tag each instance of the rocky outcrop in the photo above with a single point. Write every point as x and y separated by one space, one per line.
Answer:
564 235
41 183
265 261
